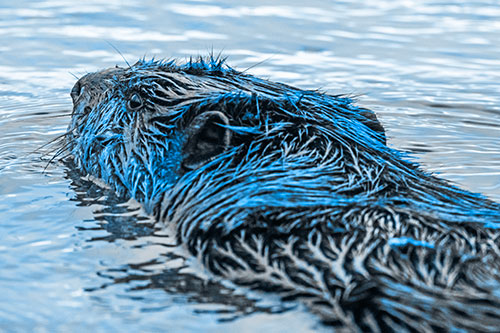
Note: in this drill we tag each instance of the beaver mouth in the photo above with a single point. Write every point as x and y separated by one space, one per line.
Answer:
207 136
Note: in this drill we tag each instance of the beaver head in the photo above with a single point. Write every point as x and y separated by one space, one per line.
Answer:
141 128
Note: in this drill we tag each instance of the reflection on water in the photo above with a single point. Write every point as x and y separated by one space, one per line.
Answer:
73 256
158 261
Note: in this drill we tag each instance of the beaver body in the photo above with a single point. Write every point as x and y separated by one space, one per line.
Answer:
294 192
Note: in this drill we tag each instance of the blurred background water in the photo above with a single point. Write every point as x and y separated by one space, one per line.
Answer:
74 258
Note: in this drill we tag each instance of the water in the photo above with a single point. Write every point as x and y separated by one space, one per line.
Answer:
75 258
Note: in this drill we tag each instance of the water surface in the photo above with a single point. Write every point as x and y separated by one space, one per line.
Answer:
73 257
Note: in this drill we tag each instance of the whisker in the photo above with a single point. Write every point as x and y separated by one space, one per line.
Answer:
59 152
76 77
60 115
52 141
257 64
116 49
67 114
55 149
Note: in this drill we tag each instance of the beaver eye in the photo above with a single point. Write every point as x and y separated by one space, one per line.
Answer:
135 102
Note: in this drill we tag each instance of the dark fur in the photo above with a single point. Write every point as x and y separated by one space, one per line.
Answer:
292 191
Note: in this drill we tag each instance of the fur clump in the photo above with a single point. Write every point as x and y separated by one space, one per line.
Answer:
294 192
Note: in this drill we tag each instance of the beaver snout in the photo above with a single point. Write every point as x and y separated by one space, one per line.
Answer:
93 85
80 104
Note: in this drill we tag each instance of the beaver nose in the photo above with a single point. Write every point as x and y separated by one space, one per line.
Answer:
76 91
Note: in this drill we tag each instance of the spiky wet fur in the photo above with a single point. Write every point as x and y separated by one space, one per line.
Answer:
308 201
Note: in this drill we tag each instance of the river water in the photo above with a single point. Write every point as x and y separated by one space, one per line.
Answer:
75 258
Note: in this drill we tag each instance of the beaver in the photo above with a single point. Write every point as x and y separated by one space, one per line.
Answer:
293 192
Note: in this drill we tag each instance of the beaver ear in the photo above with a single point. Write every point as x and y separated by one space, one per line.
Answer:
372 122
206 137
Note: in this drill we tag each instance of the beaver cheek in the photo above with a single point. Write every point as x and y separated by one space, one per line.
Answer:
206 137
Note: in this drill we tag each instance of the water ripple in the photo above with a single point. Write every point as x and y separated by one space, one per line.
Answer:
83 259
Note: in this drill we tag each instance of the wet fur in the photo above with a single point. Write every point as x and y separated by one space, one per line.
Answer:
307 201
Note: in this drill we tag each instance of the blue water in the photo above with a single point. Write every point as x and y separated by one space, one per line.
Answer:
75 258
